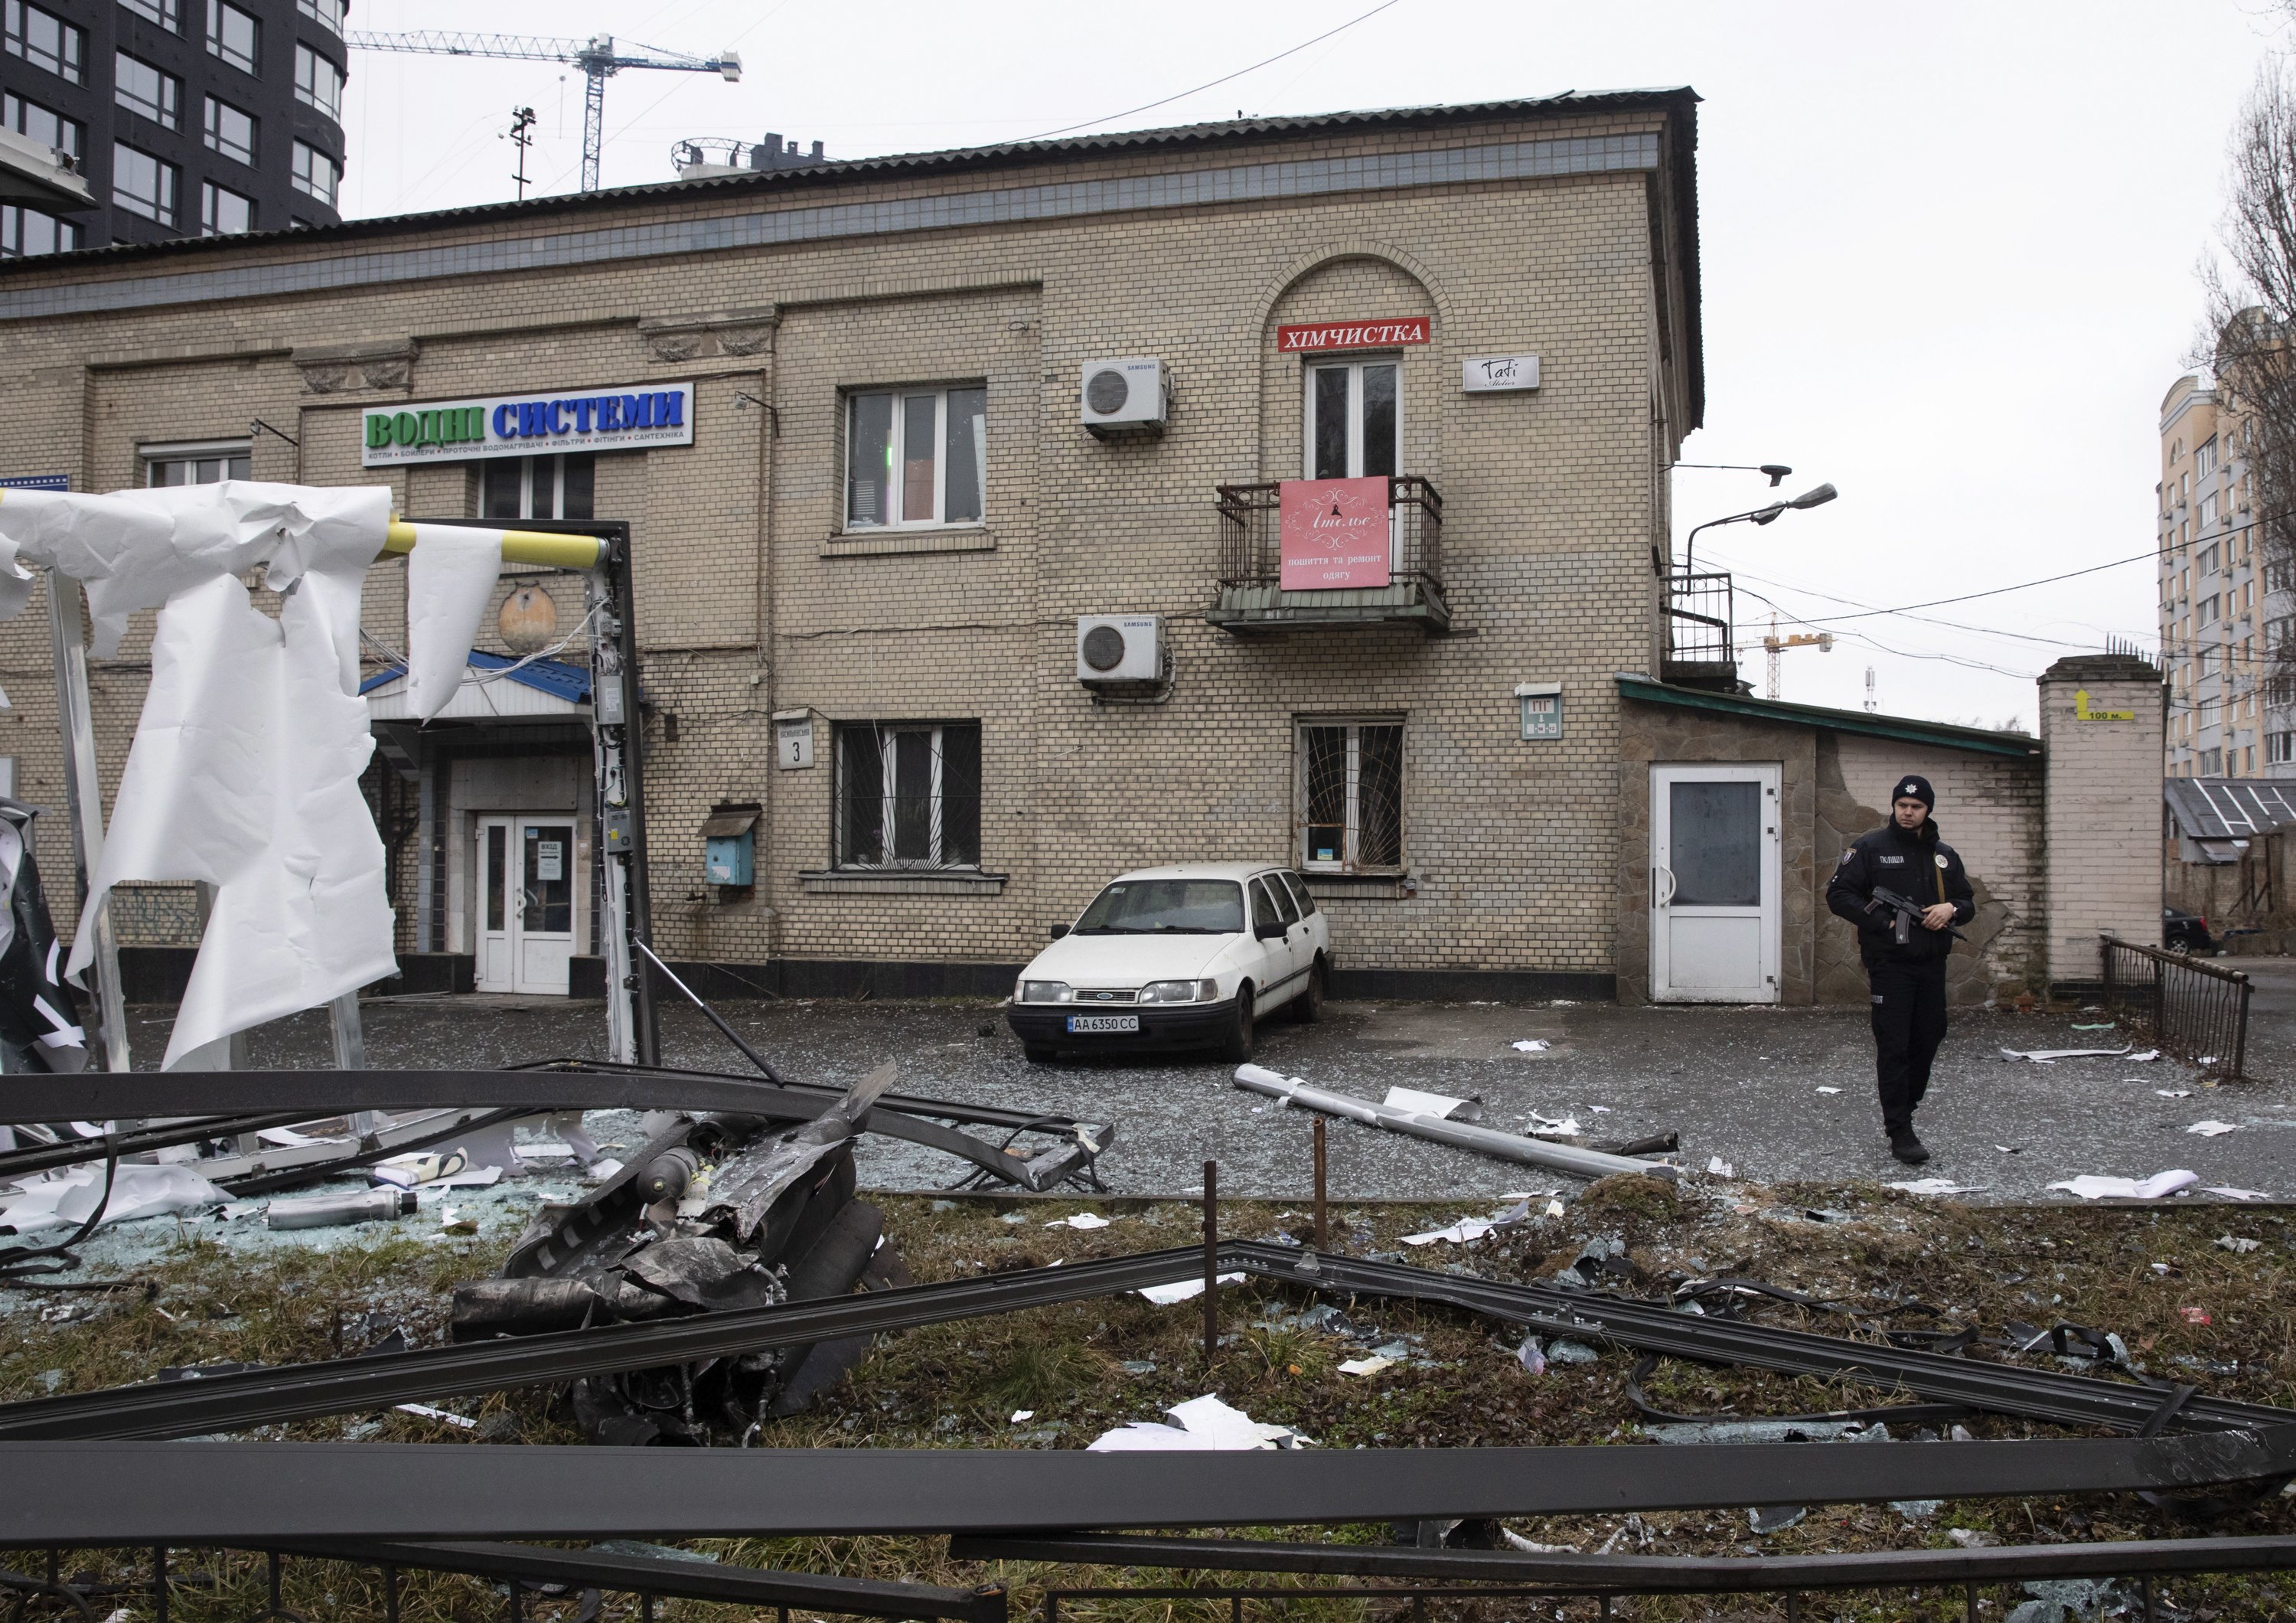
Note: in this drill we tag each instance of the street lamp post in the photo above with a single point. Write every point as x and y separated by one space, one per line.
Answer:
1817 497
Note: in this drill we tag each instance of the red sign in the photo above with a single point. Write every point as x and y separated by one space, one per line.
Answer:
1352 335
1335 535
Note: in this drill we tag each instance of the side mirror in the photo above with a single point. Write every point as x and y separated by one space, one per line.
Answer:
1271 929
1056 932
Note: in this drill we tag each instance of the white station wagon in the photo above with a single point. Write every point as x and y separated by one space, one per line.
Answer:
1183 956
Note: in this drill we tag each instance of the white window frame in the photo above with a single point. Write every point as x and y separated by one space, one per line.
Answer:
2279 748
1353 365
2204 459
302 167
194 452
309 66
541 482
1348 861
895 486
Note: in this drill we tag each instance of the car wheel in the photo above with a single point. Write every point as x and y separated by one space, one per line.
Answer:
1235 1047
1036 1053
1308 1007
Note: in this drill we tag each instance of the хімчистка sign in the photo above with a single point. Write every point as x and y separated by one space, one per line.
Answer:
528 425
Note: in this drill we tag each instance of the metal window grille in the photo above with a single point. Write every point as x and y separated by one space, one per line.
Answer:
908 795
1351 796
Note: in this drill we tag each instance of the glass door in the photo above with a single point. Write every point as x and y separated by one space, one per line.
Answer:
1355 425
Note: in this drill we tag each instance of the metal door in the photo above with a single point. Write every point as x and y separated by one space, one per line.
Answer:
526 903
1714 883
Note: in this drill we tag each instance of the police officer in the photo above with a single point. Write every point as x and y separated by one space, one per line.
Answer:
1906 976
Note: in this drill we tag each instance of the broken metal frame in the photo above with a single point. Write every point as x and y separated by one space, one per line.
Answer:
253 1397
555 1085
147 1493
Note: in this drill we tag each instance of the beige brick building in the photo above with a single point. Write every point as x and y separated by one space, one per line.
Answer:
886 508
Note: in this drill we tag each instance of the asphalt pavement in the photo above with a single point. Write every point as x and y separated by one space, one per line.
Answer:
1777 1094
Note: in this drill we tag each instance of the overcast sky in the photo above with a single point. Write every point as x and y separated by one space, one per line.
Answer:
1948 251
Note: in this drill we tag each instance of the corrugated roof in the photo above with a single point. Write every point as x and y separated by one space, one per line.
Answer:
1905 730
560 681
2229 808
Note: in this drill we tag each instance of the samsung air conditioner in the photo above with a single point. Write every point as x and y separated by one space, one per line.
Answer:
1124 397
1120 648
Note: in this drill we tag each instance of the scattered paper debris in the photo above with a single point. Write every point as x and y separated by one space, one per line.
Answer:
1514 1541
2100 1026
1554 1208
2050 1056
1971 1538
1205 1423
1531 1355
1426 1104
2149 1053
1023 1415
137 1191
448 1415
2230 1193
1829 1090
287 1138
2237 1242
1081 1220
1164 1296
1551 1127
1938 1186
2194 1316
2010 1149
2211 1128
1531 1045
1465 1231
1372 1366
1774 1518
1717 1167
2174 1093
2091 1186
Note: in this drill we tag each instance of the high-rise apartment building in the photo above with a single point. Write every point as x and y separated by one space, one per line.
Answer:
2223 613
188 118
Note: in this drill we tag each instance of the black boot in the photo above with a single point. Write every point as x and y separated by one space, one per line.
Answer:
1906 1147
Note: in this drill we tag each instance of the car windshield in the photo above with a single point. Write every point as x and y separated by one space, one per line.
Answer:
1177 907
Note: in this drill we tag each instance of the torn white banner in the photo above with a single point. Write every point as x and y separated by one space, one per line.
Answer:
1205 1423
450 575
244 770
136 1191
1164 1296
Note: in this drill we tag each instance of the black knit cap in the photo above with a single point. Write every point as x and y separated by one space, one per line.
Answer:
1913 785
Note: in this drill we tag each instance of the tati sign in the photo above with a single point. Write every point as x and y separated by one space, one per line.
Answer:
1351 335
1334 534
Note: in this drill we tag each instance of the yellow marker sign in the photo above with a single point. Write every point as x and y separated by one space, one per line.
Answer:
2082 712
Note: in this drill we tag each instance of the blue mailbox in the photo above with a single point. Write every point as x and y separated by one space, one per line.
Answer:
729 853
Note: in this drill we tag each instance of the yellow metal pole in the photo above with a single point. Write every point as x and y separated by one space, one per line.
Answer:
522 546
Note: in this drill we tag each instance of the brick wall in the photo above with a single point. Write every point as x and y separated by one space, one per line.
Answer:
2102 818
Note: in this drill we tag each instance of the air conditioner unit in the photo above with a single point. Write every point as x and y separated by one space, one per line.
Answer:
1126 396
1120 648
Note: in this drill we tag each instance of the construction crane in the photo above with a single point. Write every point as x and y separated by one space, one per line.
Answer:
1774 645
597 57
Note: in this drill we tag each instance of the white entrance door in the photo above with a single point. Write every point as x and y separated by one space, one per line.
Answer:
525 870
1714 883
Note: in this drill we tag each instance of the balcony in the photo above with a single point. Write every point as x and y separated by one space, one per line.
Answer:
1252 597
1701 643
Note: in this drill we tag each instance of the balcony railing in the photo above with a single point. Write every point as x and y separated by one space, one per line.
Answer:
1251 594
1701 641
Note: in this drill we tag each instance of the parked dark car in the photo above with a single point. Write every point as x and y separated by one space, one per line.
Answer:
2186 932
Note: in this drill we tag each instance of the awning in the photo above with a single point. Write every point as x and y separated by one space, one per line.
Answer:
505 688
727 822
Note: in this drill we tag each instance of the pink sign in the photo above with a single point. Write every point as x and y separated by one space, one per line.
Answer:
1335 533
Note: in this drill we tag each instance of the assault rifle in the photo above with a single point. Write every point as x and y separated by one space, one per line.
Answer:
1905 913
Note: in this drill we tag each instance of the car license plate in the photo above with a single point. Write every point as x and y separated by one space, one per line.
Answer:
1127 1022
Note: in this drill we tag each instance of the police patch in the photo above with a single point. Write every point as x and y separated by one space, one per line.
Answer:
1940 862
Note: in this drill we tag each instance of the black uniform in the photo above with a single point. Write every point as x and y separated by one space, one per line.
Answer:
1907 982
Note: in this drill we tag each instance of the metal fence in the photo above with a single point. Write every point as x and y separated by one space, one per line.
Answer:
1251 531
1699 620
2187 1007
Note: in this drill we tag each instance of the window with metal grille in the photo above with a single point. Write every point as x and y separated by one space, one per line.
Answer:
908 795
1350 797
43 39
